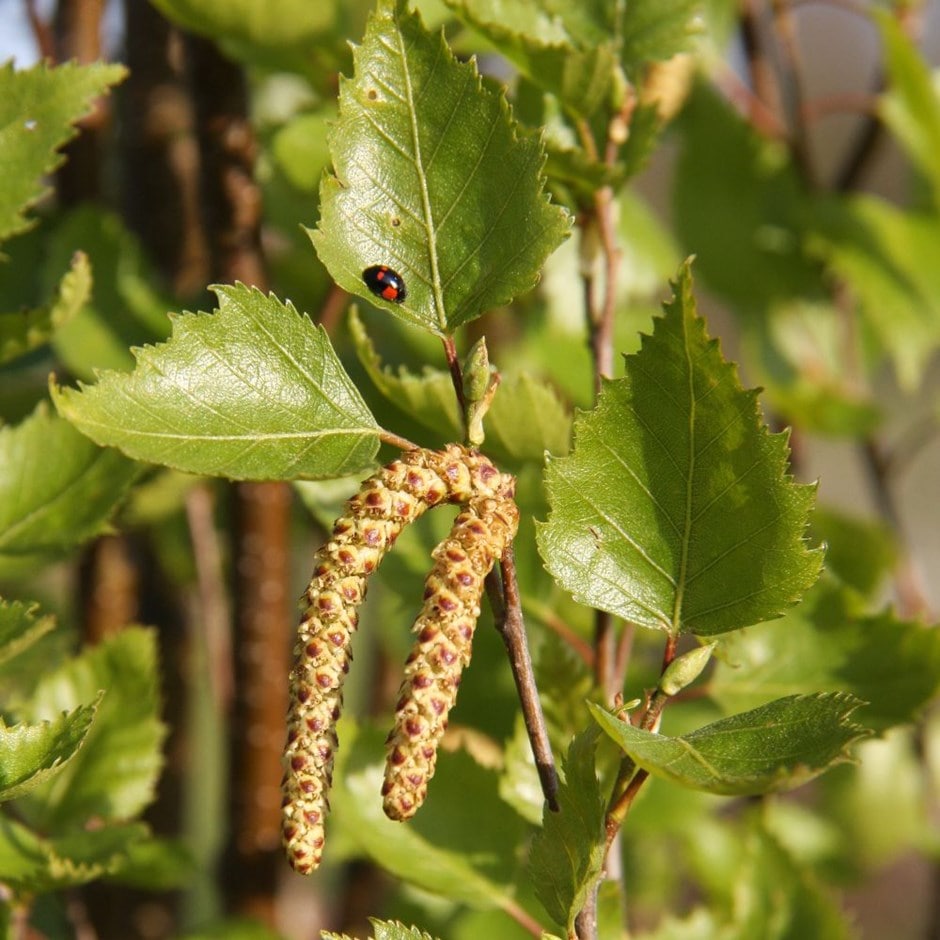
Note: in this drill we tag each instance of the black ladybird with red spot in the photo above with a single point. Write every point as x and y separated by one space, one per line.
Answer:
385 283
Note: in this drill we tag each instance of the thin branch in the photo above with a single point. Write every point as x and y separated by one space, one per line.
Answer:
215 616
524 919
396 440
763 103
456 375
920 434
332 309
856 103
507 611
761 117
793 90
849 6
42 33
861 155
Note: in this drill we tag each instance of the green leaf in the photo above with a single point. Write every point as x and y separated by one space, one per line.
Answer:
158 865
253 391
859 552
279 23
526 420
755 254
432 178
385 930
800 352
428 398
778 746
84 856
30 864
551 44
674 509
301 149
114 775
24 856
526 417
20 628
57 489
279 35
653 32
469 858
31 754
911 105
519 781
568 853
126 309
826 644
38 110
777 898
888 256
236 928
26 330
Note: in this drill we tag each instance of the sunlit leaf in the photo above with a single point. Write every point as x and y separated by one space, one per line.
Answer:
385 930
25 330
911 105
126 307
31 864
653 32
57 488
20 627
33 753
114 775
568 853
886 256
778 746
675 510
432 178
38 112
567 49
742 208
826 644
777 898
253 391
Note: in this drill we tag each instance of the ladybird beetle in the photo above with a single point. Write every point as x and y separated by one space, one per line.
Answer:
385 283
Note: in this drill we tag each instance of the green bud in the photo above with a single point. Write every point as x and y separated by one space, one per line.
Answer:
685 669
476 372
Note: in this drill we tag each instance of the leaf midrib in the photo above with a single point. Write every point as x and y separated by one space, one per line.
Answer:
423 188
690 472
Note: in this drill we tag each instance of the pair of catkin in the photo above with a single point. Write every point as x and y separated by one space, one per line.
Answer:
390 499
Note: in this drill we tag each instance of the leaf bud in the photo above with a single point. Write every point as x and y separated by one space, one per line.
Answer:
685 669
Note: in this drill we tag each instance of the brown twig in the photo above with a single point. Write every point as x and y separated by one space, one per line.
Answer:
507 612
42 33
763 105
215 616
456 374
792 87
232 213
332 309
396 440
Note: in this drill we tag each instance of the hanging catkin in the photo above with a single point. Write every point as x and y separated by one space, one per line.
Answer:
445 632
373 519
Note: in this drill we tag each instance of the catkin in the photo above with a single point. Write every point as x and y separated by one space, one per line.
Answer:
393 497
445 629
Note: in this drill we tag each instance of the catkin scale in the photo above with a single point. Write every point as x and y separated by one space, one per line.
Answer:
374 517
